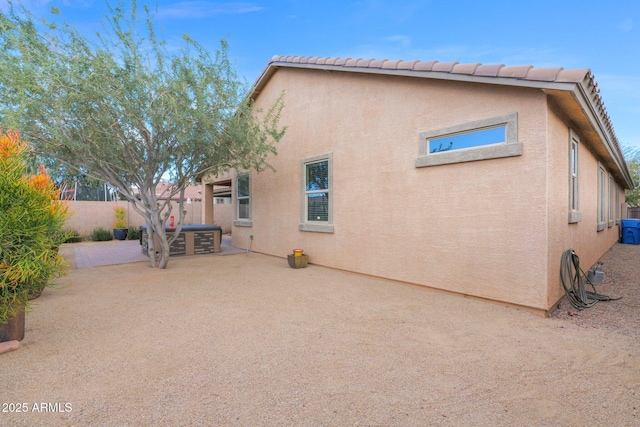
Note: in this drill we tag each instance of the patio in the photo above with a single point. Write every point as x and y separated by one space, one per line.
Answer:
94 254
246 340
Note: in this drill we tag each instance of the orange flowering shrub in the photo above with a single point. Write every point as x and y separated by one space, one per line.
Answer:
30 226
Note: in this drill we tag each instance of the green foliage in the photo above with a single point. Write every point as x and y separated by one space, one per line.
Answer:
130 111
632 197
72 236
133 234
120 213
31 221
100 234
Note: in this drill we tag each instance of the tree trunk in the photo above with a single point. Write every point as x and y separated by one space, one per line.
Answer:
158 257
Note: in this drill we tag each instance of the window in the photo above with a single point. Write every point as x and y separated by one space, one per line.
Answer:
611 202
601 198
478 140
617 204
243 201
574 206
471 139
317 194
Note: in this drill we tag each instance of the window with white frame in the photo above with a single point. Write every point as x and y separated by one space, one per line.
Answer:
243 200
490 138
317 186
611 203
617 204
574 184
601 197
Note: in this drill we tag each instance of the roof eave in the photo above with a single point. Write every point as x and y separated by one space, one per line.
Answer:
584 92
273 66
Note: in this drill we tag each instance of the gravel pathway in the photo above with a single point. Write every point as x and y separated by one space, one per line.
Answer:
246 340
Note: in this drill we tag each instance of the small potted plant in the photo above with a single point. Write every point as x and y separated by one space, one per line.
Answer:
32 217
120 227
298 259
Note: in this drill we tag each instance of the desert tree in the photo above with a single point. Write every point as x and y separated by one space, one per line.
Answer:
632 156
124 108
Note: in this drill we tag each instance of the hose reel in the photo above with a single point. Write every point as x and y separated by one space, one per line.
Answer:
574 281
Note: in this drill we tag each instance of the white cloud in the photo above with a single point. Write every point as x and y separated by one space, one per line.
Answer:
402 47
626 25
403 41
204 9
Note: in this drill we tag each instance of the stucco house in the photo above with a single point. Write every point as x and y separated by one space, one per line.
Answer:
469 178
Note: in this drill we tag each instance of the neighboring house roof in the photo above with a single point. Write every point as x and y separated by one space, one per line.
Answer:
193 192
574 90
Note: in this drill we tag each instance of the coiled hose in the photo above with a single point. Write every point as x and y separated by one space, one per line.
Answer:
573 280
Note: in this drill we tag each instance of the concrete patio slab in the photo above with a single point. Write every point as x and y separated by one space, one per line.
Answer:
94 254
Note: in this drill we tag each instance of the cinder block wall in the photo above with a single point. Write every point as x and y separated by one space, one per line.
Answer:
86 216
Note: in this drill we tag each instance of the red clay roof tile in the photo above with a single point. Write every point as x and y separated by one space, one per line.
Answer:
572 76
376 63
391 65
517 72
445 67
364 63
543 74
488 70
464 68
424 65
406 65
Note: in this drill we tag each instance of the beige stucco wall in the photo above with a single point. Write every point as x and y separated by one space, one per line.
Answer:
583 237
223 216
474 228
493 229
86 215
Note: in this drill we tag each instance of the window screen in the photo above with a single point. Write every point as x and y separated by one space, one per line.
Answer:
317 191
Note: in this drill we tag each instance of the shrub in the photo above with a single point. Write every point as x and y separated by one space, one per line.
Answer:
31 220
71 236
120 213
101 235
133 234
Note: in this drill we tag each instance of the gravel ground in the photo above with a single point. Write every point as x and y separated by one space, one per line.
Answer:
246 340
621 265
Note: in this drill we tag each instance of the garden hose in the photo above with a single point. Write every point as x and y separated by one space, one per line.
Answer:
573 280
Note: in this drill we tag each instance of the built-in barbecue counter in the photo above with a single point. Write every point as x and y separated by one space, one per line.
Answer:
193 239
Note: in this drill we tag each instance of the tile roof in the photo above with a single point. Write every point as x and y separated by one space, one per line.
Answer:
192 192
556 78
526 72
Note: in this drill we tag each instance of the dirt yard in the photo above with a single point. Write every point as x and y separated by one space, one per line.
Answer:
246 340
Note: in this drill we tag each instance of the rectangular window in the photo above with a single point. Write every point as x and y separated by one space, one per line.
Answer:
574 199
474 138
601 198
617 204
491 138
317 194
611 203
243 200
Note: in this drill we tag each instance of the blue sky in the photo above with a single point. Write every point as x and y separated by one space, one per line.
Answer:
601 35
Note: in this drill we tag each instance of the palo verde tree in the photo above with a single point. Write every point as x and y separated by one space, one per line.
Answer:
125 109
632 156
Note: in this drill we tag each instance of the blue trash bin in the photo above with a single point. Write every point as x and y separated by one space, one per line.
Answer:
631 231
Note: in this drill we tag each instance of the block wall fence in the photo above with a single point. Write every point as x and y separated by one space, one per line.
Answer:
86 216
